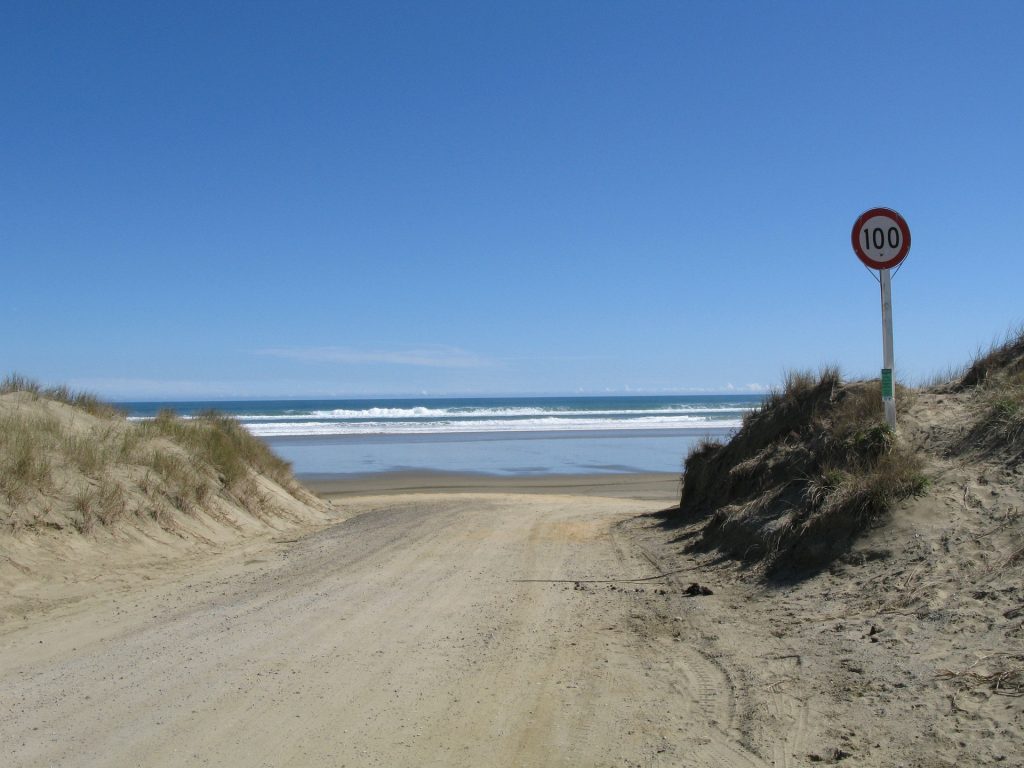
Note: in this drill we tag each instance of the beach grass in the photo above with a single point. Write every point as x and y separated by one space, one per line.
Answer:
67 459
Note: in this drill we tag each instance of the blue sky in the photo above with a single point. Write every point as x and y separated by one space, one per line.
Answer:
312 199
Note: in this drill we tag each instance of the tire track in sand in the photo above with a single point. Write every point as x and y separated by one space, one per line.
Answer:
701 682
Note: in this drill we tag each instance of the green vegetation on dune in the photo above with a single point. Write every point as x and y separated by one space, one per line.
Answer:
68 460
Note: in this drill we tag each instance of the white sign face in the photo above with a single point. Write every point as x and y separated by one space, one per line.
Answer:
880 238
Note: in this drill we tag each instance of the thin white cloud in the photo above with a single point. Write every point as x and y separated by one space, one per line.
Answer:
740 388
424 357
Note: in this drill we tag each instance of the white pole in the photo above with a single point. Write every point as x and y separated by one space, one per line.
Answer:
888 384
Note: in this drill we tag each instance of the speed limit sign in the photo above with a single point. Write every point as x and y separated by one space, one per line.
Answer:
881 238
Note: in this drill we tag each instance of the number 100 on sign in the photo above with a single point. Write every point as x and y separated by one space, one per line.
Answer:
881 238
882 243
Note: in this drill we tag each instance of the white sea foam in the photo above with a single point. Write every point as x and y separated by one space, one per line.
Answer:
265 428
465 417
482 413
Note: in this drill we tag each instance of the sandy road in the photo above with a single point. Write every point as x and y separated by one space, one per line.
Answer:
399 637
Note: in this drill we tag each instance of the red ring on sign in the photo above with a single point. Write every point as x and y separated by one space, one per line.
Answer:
898 221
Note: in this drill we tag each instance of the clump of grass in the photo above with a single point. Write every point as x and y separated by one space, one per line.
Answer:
808 470
25 462
102 503
175 479
82 503
15 382
88 454
112 501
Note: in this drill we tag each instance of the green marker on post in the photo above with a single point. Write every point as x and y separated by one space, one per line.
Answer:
887 390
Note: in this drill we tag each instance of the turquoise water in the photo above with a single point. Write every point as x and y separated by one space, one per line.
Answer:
500 436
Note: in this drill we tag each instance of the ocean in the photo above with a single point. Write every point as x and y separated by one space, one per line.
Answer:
498 436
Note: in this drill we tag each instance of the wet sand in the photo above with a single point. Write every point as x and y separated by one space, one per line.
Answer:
653 486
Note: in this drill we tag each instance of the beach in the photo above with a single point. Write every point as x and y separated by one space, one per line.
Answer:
508 436
423 617
423 627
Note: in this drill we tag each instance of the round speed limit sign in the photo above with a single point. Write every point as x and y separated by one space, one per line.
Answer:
881 238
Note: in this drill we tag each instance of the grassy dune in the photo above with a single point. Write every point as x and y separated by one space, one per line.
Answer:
807 471
70 461
816 465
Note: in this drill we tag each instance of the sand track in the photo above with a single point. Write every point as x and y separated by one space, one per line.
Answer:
398 637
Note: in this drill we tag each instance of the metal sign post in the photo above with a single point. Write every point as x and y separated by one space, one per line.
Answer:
881 240
888 391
